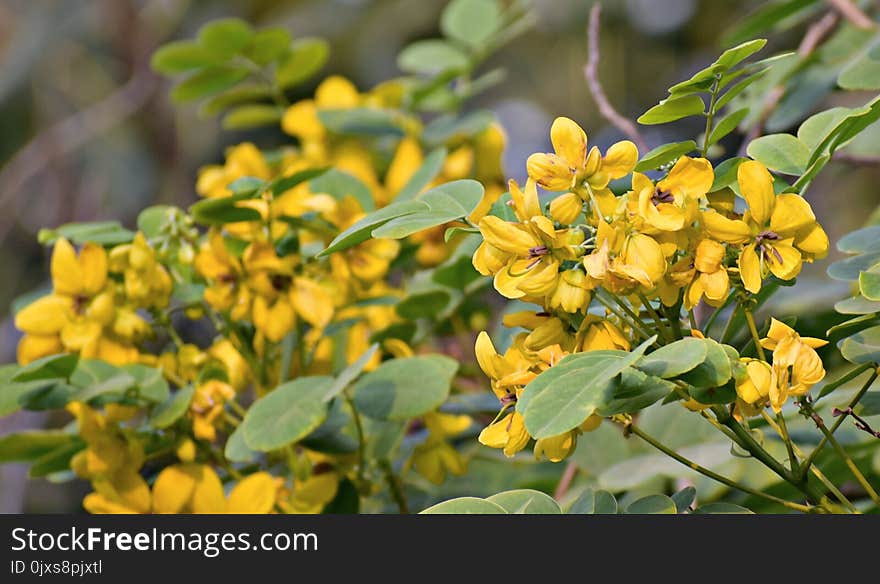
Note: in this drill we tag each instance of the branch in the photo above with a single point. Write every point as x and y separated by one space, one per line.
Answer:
853 13
591 72
816 33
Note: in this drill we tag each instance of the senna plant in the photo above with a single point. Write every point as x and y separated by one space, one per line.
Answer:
300 340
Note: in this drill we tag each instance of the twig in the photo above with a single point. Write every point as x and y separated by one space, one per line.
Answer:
565 481
395 487
856 159
860 422
853 13
816 33
591 72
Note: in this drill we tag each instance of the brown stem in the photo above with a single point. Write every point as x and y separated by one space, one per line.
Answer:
816 33
591 72
853 13
565 481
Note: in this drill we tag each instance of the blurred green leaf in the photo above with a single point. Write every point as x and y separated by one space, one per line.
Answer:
526 502
869 284
245 117
427 172
182 56
857 305
226 37
465 506
652 505
764 19
862 347
306 58
592 502
391 392
52 367
432 56
866 239
165 414
362 121
207 82
471 22
268 44
30 445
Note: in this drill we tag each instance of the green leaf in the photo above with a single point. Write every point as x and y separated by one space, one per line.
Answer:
118 383
226 37
362 121
208 82
153 220
281 185
165 414
56 460
592 502
765 18
526 502
450 128
862 347
721 508
684 498
52 367
100 232
738 88
151 384
860 75
432 56
562 397
219 211
306 58
665 154
182 56
471 22
634 392
673 108
32 444
245 117
240 94
339 184
350 373
815 129
727 125
465 506
857 305
268 44
781 152
725 173
652 505
674 359
14 396
236 450
735 55
866 239
714 371
286 414
424 305
400 389
869 284
427 172
361 230
850 268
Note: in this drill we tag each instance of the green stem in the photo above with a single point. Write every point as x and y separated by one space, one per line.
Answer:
710 118
750 320
713 475
819 422
660 325
851 465
362 442
600 297
394 486
728 328
715 314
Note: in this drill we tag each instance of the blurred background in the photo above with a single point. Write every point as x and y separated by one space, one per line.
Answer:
87 131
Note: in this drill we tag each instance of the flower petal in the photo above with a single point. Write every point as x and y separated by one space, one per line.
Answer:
756 185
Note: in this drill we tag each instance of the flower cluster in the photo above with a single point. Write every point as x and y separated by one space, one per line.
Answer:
594 261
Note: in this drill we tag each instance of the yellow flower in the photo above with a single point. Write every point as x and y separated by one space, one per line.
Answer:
779 232
596 333
572 163
556 448
195 488
572 293
147 283
208 403
673 202
224 273
711 281
566 208
796 365
435 457
754 387
508 433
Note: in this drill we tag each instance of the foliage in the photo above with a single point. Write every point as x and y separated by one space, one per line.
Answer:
343 275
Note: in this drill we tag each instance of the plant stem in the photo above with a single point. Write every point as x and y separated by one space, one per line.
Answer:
658 322
713 475
750 320
394 486
710 118
600 297
837 422
850 463
715 314
362 442
565 480
815 470
728 328
789 445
